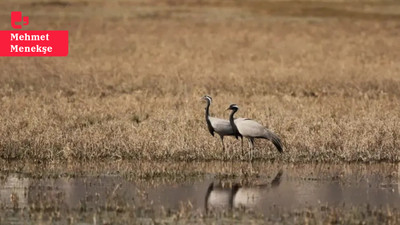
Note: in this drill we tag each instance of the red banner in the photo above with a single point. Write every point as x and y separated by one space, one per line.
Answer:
34 43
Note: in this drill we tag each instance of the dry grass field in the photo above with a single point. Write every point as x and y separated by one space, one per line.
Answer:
325 76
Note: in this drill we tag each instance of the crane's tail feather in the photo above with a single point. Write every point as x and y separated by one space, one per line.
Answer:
275 140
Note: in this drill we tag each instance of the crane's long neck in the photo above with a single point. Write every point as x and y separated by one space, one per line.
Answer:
232 122
210 128
208 110
234 190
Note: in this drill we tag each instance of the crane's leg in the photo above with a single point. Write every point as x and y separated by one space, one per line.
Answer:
251 143
223 145
248 140
242 145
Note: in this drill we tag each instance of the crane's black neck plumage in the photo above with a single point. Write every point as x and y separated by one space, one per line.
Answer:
234 190
209 190
210 128
232 121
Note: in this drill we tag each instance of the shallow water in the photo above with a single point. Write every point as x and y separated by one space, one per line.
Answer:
281 188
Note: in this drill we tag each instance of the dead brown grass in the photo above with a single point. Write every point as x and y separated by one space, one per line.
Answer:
130 87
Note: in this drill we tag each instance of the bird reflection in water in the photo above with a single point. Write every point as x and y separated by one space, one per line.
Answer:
237 195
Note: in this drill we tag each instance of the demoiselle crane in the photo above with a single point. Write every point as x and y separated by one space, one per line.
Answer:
250 129
216 125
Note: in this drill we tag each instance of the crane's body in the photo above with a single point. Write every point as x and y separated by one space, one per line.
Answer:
221 126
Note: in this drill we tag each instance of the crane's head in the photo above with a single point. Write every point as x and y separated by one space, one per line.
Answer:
207 98
233 107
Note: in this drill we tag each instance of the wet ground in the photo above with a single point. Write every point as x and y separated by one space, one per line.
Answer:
263 190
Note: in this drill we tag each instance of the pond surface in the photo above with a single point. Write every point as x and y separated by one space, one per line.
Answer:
286 187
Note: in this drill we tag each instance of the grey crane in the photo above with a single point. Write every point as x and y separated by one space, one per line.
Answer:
216 125
250 129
